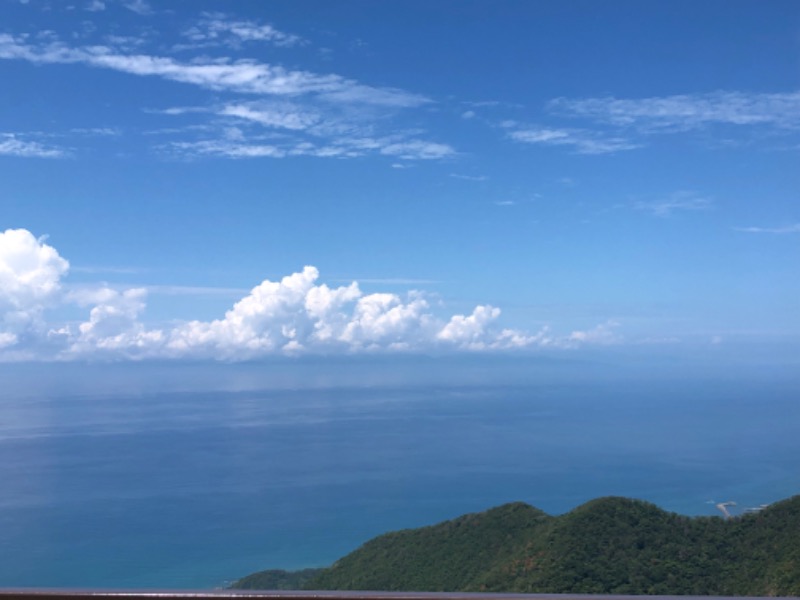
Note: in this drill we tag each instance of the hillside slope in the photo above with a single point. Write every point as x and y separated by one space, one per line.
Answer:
608 545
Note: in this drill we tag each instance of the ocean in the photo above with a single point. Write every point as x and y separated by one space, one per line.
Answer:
190 477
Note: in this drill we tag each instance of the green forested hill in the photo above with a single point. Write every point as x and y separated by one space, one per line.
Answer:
608 545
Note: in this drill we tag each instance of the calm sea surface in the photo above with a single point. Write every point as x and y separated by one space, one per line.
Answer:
191 489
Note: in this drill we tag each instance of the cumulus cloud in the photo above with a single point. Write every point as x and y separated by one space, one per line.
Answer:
468 331
30 282
260 323
294 315
112 325
475 332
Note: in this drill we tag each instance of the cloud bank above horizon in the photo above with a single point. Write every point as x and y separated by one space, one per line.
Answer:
293 316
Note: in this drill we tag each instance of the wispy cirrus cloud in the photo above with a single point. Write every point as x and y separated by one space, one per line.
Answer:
390 280
140 7
105 269
11 145
469 177
228 148
85 293
676 202
96 131
684 112
343 147
284 116
581 140
218 29
783 230
278 129
417 150
194 290
219 74
611 124
297 113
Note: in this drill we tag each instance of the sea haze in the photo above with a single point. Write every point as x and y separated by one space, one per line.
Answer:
152 475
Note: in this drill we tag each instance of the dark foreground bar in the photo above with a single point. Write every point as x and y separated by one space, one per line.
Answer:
49 594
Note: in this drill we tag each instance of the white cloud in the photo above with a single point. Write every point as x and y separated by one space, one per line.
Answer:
469 177
10 145
342 147
261 323
284 116
140 7
96 131
193 290
242 76
30 281
418 150
7 339
794 228
95 6
296 315
113 325
294 113
679 201
623 123
291 316
217 29
603 334
469 331
475 332
228 149
299 113
584 142
384 320
325 304
397 280
105 269
688 111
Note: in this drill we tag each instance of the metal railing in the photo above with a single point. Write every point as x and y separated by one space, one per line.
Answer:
63 594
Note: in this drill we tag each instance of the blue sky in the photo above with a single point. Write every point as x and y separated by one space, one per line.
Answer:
236 180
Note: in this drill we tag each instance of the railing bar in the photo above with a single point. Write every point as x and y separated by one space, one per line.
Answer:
77 594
